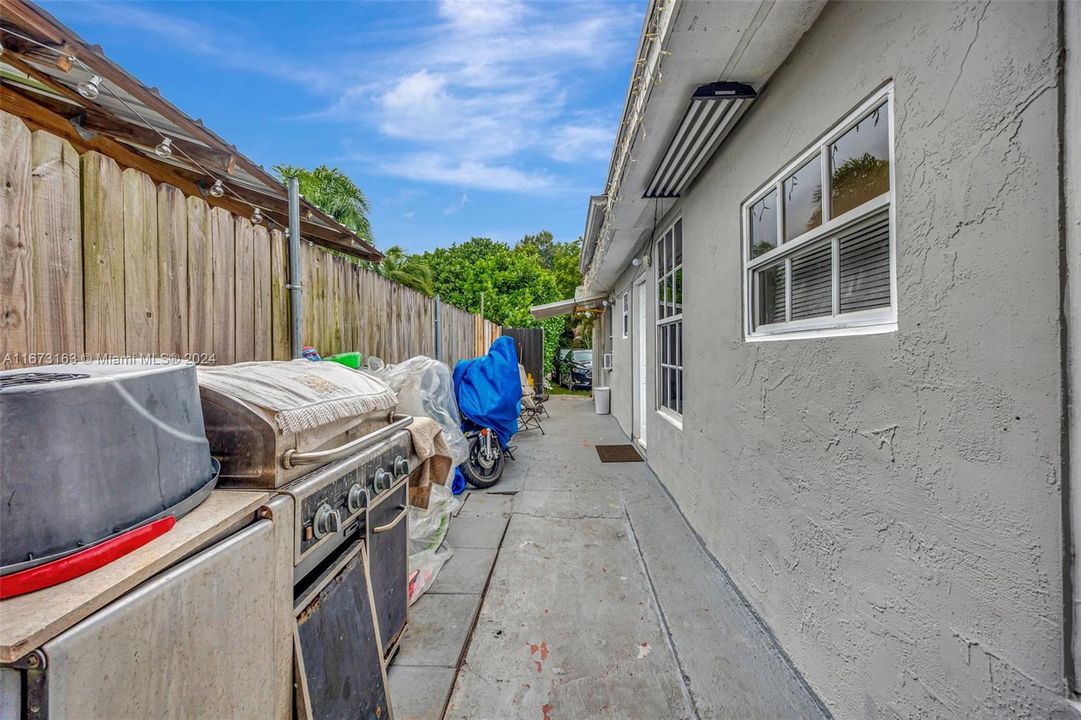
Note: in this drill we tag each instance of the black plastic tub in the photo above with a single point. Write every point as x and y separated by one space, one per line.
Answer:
92 450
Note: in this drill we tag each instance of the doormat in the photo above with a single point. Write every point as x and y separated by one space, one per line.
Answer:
618 453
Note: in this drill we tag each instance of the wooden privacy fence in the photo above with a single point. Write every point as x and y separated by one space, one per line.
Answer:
99 262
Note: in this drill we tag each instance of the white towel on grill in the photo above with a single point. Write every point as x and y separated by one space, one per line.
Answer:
303 395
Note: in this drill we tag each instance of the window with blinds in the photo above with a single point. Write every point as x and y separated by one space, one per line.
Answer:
818 242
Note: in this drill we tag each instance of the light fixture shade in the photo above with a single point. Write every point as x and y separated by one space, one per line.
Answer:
89 89
709 117
217 189
257 216
165 148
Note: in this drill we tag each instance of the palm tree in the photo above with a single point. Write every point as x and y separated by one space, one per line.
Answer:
334 193
409 270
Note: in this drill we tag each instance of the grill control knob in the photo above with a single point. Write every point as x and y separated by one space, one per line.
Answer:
327 521
401 466
357 498
383 480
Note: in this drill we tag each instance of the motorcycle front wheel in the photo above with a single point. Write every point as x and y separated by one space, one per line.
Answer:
485 464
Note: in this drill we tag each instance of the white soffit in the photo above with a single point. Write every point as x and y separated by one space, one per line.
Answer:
709 117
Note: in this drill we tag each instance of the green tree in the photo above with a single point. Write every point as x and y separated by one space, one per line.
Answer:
409 270
333 192
510 280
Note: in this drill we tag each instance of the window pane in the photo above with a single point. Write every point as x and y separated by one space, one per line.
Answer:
803 199
812 284
669 296
770 292
673 391
677 257
660 299
679 391
679 344
668 252
763 223
664 387
677 290
865 266
860 160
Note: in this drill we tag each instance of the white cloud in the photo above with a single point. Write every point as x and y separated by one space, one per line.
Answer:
431 167
479 16
572 143
455 208
229 48
490 87
409 215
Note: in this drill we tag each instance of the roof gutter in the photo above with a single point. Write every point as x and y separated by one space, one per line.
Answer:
646 73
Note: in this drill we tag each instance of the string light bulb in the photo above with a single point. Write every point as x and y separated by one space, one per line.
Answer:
164 149
257 216
89 88
217 189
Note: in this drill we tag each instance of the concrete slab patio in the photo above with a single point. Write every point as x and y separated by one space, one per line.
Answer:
602 602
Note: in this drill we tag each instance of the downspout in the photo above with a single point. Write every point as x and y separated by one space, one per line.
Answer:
438 327
1070 328
295 307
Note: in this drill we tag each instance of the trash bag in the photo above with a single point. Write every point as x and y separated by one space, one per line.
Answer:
489 390
424 387
423 568
428 526
427 530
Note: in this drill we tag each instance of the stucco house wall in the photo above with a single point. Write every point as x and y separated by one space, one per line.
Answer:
890 504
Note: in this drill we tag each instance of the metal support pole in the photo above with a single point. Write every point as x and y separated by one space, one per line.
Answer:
295 306
438 328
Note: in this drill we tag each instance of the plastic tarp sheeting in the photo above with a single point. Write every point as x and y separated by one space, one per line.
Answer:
489 393
425 388
427 531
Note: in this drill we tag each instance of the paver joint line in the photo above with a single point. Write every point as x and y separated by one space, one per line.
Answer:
688 695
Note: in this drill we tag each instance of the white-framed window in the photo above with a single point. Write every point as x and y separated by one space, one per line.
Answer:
608 313
626 314
818 240
669 263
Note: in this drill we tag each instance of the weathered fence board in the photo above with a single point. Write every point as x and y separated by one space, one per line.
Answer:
172 270
244 258
96 259
15 234
261 293
279 296
200 279
224 292
140 263
56 247
103 256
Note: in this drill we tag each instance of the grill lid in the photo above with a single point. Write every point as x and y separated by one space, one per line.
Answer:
302 395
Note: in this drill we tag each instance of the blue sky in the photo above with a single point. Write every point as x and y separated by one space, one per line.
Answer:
457 118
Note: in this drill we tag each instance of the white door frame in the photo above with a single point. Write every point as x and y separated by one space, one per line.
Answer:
641 364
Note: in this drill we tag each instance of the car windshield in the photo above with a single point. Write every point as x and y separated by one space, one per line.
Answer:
582 356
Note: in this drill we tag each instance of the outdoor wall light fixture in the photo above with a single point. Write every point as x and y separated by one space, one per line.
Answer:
89 88
710 115
217 189
257 216
165 148
636 262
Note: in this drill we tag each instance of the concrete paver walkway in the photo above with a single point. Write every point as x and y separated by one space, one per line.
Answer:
602 602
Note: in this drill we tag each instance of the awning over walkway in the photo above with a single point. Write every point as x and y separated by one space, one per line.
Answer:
568 307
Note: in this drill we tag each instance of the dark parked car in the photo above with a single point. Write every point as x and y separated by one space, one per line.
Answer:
574 368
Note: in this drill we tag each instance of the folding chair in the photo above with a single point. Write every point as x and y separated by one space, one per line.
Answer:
529 418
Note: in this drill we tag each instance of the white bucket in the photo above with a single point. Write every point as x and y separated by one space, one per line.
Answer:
602 398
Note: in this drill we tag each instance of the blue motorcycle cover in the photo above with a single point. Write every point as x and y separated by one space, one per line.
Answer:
489 390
